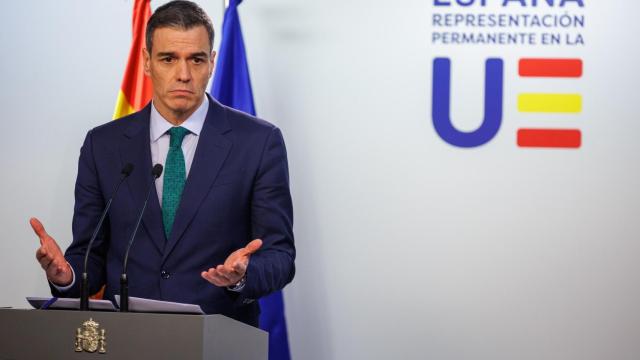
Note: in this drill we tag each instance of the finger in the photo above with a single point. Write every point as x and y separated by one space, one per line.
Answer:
44 250
212 274
253 246
223 282
40 253
43 254
212 277
230 276
38 228
45 262
226 274
205 275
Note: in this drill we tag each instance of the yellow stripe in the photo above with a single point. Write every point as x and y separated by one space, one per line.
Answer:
123 108
550 103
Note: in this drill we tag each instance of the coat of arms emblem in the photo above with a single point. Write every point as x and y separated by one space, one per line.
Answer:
90 338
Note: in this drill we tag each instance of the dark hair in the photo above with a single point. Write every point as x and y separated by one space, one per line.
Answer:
181 14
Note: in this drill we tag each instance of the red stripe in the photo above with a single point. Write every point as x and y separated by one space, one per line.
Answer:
549 138
137 87
550 67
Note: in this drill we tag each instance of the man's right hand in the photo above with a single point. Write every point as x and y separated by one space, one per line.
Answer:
50 257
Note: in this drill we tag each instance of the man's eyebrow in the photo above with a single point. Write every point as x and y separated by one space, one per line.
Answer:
199 54
173 54
162 54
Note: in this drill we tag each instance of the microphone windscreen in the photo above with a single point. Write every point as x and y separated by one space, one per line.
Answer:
157 171
127 169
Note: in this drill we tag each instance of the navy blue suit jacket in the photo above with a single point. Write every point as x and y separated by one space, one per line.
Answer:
237 190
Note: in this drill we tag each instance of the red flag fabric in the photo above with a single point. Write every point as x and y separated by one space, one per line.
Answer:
136 90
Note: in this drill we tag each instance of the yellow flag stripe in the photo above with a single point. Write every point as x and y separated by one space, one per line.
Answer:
123 108
550 103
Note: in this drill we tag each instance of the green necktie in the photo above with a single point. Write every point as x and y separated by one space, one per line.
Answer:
174 178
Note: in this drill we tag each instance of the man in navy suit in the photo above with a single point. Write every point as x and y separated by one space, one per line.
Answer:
222 236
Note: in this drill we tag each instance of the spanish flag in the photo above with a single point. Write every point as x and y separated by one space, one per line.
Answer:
135 91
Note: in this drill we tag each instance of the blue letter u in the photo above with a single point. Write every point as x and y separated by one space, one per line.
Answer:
441 94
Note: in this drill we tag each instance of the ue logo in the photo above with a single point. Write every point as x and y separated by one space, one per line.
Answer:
547 103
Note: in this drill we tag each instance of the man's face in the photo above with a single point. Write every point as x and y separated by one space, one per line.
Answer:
179 66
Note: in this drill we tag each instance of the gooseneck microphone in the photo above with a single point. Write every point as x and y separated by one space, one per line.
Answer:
84 284
124 282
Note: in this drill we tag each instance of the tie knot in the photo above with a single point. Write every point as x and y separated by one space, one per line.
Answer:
177 134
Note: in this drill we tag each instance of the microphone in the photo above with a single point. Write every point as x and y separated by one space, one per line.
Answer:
124 282
84 284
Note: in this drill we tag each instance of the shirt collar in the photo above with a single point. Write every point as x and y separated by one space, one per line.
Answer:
159 125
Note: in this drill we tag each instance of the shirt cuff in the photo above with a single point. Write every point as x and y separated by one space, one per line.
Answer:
65 288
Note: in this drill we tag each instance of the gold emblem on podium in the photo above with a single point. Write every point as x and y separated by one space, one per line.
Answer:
90 338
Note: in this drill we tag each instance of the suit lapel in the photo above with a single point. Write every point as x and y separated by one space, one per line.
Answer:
211 152
136 149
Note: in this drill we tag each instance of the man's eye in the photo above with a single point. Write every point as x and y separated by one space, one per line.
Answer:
166 59
198 60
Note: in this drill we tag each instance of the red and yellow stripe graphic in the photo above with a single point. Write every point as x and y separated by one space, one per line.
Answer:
550 138
535 67
549 103
136 90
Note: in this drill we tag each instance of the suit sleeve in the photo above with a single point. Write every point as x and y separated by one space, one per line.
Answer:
89 203
272 267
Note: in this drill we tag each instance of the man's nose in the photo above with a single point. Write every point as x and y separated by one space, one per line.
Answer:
183 72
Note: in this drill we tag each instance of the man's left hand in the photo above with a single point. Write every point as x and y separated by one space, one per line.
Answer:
234 268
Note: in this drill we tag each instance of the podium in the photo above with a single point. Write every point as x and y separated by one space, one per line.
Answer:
53 334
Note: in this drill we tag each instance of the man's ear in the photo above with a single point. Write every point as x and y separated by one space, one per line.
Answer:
212 59
147 62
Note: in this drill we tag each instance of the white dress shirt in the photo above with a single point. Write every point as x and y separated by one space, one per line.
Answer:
159 136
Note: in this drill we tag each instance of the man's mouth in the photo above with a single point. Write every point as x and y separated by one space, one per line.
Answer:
181 92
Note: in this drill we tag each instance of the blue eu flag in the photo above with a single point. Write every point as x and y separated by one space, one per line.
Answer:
232 87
